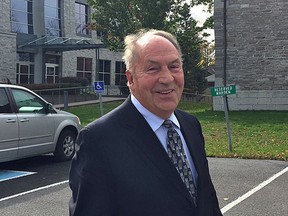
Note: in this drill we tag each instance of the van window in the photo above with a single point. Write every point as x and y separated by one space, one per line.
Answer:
5 106
27 102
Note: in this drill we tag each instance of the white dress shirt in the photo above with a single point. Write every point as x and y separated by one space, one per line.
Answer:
156 122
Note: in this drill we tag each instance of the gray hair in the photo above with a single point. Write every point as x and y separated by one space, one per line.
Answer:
131 52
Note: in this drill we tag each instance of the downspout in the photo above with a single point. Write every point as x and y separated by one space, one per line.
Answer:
225 49
225 43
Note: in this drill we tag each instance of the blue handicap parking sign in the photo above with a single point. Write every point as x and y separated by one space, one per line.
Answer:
99 86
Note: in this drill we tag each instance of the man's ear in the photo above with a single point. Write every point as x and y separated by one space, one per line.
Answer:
129 77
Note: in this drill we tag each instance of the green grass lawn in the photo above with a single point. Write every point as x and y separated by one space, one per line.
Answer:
255 134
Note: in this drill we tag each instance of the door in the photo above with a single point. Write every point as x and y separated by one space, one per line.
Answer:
36 128
52 73
8 129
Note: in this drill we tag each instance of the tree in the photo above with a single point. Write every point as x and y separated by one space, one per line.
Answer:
117 18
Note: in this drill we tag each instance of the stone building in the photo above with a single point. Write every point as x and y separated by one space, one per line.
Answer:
43 40
257 53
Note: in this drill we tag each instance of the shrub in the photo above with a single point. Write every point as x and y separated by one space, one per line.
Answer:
76 80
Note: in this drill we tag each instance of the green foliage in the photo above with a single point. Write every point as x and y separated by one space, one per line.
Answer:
118 18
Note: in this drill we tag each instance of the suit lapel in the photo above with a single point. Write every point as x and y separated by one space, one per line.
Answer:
144 137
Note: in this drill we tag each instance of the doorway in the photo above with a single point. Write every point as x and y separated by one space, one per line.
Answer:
51 73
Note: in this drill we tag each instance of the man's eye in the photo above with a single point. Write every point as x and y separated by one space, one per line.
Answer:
151 69
175 67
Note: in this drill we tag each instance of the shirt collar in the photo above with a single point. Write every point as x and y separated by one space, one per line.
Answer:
154 121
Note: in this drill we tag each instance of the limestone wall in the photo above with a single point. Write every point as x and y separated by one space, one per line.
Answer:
257 53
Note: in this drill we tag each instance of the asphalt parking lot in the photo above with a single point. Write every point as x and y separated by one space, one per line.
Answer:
244 187
251 187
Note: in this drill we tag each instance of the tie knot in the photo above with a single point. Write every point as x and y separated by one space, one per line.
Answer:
167 124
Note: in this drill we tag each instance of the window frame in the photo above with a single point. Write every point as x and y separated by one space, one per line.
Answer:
25 27
82 20
120 72
84 68
105 71
52 30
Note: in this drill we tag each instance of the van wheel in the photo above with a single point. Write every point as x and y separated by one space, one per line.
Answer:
65 147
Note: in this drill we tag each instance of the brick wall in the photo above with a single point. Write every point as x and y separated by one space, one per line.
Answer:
257 53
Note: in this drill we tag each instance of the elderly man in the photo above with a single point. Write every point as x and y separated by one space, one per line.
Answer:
146 157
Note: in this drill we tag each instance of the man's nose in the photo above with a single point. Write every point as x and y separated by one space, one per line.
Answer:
165 76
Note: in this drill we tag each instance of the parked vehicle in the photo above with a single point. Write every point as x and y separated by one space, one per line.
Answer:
31 126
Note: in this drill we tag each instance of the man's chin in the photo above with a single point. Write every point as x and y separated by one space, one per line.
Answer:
168 107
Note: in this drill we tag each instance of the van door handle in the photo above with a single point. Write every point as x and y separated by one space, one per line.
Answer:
10 121
24 120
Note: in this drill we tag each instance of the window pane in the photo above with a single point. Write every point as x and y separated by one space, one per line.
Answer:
27 102
51 3
101 76
88 76
107 66
52 18
52 32
51 12
24 69
80 64
20 17
24 79
52 23
4 103
19 5
88 64
81 18
101 65
107 79
19 28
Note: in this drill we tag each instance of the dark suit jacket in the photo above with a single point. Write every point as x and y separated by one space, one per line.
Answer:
121 169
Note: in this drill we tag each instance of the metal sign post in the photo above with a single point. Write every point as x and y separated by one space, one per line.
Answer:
99 88
227 123
224 91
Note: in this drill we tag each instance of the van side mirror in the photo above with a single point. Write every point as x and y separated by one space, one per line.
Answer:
49 108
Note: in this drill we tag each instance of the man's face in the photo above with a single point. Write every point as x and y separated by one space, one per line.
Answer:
157 80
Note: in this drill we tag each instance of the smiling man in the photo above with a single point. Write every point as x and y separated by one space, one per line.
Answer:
156 77
146 157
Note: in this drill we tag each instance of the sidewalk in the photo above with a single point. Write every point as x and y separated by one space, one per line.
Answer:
80 103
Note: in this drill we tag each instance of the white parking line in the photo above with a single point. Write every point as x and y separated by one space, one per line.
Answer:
254 190
34 190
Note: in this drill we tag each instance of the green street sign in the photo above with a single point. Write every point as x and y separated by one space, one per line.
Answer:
223 90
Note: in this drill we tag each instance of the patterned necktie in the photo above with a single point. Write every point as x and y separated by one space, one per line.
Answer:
179 159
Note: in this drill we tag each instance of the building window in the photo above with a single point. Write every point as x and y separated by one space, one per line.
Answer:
52 72
5 106
120 76
52 14
84 68
104 71
82 19
25 68
21 16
